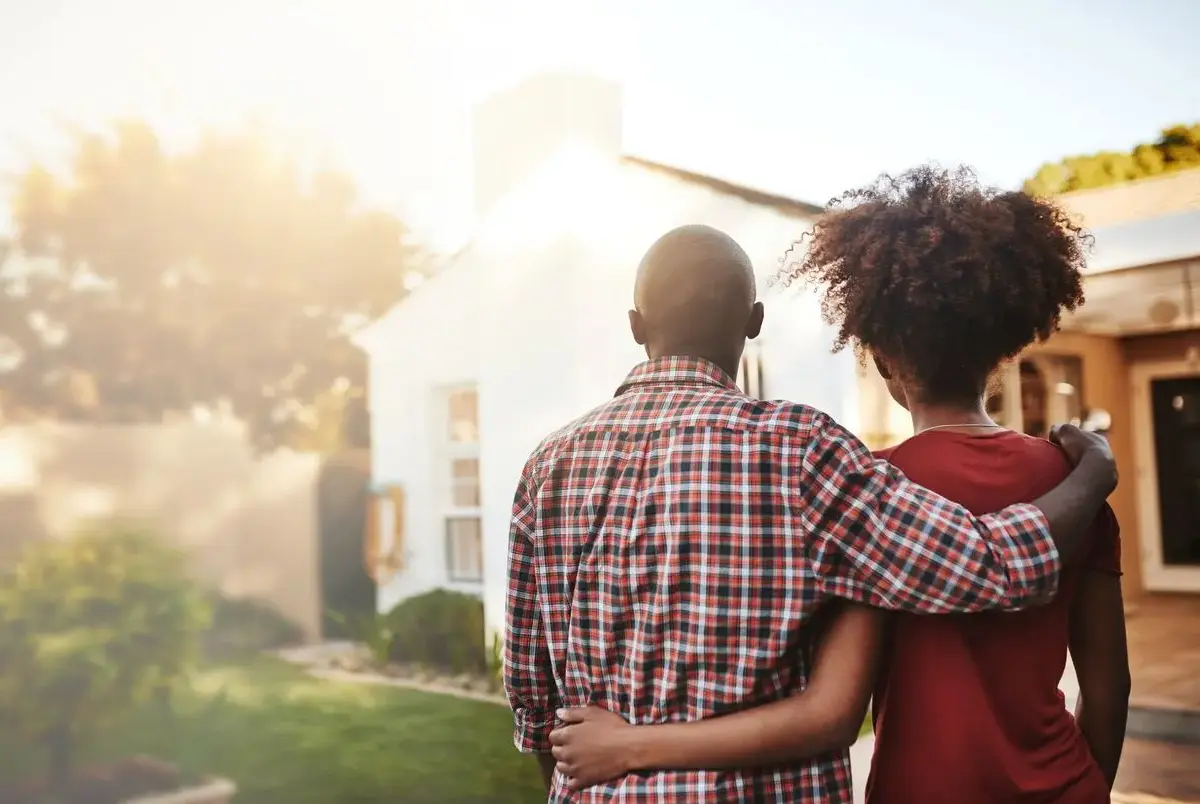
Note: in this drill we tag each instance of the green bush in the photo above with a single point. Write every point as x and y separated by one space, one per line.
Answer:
496 663
440 629
245 626
373 631
90 627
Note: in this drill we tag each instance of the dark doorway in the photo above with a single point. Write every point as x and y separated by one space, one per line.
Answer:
347 592
1176 408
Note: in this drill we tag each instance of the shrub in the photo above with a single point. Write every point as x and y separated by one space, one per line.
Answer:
373 631
440 629
496 663
244 626
89 627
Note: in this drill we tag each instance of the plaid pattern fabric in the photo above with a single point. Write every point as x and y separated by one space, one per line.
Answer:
668 549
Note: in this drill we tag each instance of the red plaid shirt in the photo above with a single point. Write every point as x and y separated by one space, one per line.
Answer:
668 549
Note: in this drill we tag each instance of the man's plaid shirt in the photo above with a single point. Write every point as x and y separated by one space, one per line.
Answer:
669 548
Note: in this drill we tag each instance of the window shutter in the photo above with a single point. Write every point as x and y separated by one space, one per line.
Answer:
383 547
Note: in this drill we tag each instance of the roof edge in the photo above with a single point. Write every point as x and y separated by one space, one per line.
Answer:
792 206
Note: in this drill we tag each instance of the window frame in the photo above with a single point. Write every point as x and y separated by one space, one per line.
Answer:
449 451
453 573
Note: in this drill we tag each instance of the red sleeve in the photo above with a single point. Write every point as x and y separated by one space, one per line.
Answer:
1105 555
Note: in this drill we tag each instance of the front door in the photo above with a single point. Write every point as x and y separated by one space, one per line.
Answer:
1175 406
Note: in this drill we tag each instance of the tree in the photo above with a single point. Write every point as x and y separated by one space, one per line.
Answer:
222 279
1178 148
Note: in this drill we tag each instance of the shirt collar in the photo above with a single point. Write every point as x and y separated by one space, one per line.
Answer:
677 371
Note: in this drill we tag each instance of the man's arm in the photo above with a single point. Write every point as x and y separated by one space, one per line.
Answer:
594 745
1099 651
528 674
878 538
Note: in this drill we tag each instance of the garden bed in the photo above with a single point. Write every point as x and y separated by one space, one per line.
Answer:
138 780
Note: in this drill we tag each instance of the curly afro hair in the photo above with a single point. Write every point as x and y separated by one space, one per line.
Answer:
942 278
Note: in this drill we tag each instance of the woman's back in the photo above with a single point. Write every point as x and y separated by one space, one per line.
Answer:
967 708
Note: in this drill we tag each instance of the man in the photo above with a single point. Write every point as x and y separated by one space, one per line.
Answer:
668 548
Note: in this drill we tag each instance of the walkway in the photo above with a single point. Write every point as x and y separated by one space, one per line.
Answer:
1164 652
1161 769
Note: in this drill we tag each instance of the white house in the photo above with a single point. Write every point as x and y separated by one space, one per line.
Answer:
526 328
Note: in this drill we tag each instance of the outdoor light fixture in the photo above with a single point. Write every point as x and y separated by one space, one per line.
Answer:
1097 420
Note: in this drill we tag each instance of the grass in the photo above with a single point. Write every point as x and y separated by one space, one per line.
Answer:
287 738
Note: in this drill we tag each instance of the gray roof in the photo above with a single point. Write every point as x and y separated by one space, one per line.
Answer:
1166 238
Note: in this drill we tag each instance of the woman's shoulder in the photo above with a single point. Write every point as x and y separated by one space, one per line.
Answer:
1011 441
1008 460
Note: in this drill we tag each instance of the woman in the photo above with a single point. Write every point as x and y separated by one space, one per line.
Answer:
940 282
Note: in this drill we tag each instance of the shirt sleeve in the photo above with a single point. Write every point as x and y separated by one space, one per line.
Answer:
1105 555
878 538
528 674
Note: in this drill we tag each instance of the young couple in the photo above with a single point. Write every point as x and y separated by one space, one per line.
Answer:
740 579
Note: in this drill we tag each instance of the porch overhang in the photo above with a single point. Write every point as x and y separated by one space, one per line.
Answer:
1143 277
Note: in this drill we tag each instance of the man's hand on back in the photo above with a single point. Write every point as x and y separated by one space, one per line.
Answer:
1080 446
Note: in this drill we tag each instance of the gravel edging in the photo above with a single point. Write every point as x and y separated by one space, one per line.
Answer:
330 674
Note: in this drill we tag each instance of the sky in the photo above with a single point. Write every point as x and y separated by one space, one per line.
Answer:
796 97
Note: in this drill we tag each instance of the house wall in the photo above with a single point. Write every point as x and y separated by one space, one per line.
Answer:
1168 347
433 346
1106 385
247 522
882 422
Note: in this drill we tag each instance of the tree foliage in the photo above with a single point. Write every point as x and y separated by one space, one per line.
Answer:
225 278
1178 148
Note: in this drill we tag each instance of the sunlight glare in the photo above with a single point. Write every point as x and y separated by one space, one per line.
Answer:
574 193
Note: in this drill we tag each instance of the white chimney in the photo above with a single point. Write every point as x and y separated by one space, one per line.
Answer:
516 129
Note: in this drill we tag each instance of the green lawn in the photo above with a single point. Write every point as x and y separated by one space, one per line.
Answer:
287 738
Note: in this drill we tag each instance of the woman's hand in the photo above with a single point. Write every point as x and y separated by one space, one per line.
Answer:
592 746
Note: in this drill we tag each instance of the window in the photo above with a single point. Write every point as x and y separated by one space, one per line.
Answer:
464 548
750 372
1037 391
462 409
1004 398
464 483
1051 392
459 475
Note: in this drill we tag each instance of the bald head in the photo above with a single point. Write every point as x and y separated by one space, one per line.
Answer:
695 295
